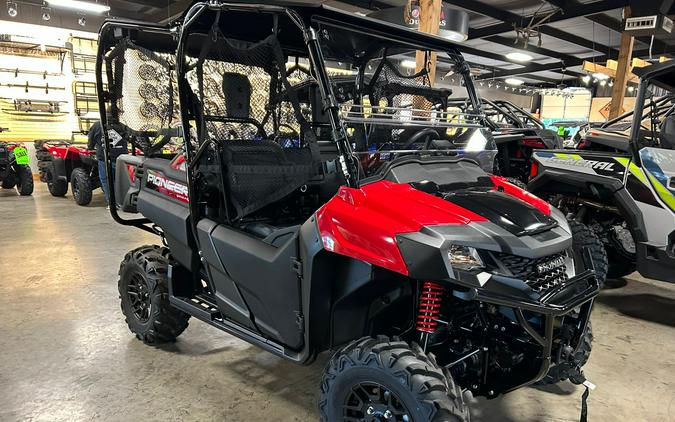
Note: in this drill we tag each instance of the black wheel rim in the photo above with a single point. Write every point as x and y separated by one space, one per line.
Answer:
139 298
371 402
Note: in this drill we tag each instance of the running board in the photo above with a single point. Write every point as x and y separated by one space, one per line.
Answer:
203 309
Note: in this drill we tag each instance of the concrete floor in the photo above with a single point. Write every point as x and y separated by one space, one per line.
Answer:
66 354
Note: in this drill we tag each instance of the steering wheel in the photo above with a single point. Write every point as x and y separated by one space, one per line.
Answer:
425 134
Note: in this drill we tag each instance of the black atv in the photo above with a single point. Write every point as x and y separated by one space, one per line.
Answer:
15 169
614 135
423 274
625 191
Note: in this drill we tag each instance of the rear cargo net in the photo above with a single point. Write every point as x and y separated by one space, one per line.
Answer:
245 103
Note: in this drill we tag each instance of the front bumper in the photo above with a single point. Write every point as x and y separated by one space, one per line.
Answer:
575 298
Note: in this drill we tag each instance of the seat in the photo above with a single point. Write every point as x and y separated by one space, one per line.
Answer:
667 135
237 93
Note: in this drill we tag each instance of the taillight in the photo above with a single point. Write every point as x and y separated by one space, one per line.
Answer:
132 173
534 143
584 144
534 169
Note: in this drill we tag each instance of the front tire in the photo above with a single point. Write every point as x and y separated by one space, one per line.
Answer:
10 180
81 186
580 358
379 380
25 180
583 237
144 296
619 264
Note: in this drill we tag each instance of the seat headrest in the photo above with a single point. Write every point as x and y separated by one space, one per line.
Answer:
237 92
667 135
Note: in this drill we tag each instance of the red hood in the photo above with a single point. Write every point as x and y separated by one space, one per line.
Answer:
363 223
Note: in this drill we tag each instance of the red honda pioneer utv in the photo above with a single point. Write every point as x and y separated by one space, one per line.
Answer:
15 171
62 162
425 275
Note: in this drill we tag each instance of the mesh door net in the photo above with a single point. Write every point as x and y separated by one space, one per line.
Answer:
143 99
245 104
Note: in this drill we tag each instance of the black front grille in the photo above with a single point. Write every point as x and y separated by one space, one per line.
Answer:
541 274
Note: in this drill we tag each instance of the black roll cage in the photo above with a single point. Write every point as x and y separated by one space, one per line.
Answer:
303 17
661 75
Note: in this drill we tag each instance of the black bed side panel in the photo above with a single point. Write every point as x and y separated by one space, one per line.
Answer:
167 212
266 280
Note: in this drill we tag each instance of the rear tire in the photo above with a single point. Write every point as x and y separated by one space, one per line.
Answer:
517 182
370 377
25 180
583 237
144 296
57 187
81 186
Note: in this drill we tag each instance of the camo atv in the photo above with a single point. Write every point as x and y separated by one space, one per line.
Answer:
14 168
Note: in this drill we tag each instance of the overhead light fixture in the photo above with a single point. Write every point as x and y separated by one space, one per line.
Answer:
454 35
603 82
46 13
611 83
83 6
631 89
517 56
82 21
410 64
514 81
600 76
12 9
586 79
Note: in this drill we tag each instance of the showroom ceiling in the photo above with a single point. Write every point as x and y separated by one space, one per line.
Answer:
574 31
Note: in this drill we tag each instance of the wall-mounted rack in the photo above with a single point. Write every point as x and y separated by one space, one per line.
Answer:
28 86
18 72
30 106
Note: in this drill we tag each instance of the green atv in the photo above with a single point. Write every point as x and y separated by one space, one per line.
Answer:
14 168
627 198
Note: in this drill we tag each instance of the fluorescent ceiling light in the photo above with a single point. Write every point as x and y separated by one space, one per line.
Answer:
410 64
600 76
518 56
514 81
586 79
83 6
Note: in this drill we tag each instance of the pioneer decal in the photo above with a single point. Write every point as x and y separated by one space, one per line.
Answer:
160 183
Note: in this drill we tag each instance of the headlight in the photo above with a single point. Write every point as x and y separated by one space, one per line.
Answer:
464 258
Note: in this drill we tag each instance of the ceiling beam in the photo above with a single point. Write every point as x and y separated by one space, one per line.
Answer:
509 19
615 25
537 67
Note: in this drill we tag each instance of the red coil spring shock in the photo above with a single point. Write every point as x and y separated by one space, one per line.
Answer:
431 298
